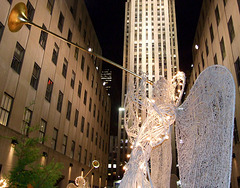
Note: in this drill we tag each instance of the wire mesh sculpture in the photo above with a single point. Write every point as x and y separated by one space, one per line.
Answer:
152 128
204 129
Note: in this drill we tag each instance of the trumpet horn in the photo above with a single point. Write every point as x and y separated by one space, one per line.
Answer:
18 17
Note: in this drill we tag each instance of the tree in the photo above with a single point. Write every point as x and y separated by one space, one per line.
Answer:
28 172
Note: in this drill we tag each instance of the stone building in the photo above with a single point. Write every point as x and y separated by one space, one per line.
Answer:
45 81
217 42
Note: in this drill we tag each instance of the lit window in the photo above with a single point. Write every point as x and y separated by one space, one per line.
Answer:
114 166
42 130
109 165
5 109
49 89
26 121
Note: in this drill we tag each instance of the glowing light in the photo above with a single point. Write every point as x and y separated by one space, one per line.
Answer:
167 137
121 109
80 181
196 47
142 166
3 183
90 49
128 155
192 65
181 141
131 146
104 83
124 168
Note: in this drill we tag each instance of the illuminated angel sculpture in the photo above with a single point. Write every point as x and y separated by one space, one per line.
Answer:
204 130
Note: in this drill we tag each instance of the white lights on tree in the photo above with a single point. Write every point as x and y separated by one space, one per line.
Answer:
204 130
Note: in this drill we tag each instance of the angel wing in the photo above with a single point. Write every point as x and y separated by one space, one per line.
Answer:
204 130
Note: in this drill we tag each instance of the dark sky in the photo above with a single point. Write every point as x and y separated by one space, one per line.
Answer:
108 20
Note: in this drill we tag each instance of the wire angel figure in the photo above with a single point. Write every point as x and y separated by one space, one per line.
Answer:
204 129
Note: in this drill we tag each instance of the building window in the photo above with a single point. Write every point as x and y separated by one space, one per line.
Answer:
217 15
235 132
76 53
85 98
1 30
69 37
18 58
237 69
211 33
43 38
35 76
100 142
60 22
96 89
69 109
222 46
82 124
82 63
60 101
72 149
96 140
88 126
206 46
98 116
49 89
94 110
92 81
90 160
54 138
30 11
73 79
79 89
64 144
76 118
231 29
90 104
55 53
26 121
64 69
224 2
92 134
42 131
79 25
84 35
85 157
88 70
203 63
50 5
215 59
79 153
5 109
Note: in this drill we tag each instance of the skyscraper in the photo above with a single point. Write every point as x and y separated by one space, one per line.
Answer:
150 46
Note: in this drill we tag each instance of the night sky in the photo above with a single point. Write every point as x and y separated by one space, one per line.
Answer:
108 20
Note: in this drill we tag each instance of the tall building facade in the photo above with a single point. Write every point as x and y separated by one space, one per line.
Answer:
45 81
150 46
217 42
